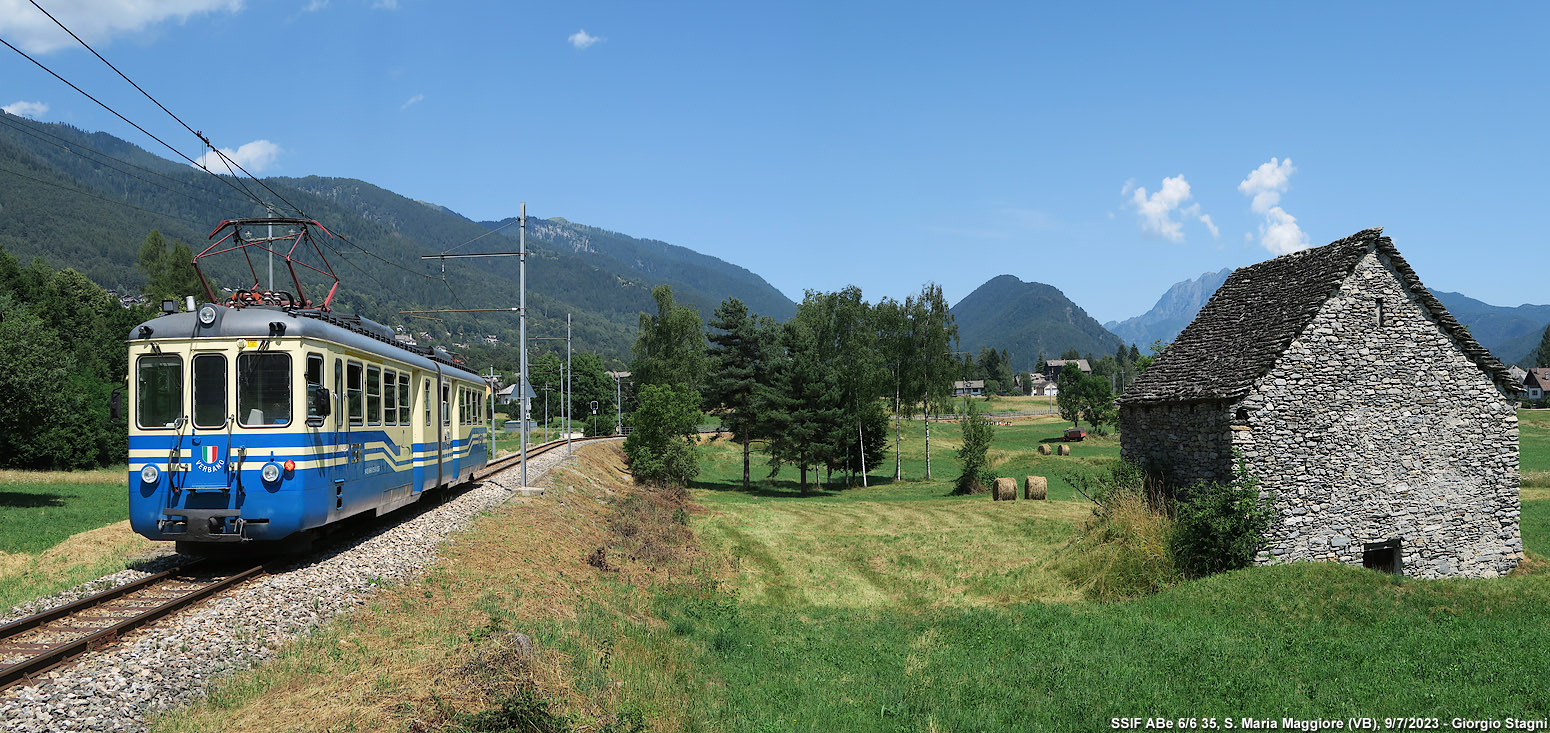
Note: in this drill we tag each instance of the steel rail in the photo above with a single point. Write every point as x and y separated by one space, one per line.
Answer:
20 659
515 457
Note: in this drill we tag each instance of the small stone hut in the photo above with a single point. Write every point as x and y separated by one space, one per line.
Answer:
1384 432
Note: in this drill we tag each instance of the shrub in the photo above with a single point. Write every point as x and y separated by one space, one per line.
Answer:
1123 549
662 449
1220 526
974 453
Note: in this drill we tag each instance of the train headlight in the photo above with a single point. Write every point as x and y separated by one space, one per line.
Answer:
150 473
270 473
207 314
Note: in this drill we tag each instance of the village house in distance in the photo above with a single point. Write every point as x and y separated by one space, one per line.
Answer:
1384 432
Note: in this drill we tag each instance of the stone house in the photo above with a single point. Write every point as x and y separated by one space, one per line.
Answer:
1385 434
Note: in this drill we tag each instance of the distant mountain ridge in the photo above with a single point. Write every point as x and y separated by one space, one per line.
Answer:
1511 333
1026 319
64 202
1173 311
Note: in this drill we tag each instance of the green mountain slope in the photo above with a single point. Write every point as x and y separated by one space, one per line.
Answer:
75 208
1027 319
1512 334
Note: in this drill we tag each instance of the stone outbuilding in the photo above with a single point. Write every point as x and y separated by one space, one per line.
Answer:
1385 434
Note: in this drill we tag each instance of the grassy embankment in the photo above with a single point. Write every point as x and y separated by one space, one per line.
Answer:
59 529
890 607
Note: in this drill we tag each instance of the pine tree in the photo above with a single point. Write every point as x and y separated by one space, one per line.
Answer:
738 365
1542 355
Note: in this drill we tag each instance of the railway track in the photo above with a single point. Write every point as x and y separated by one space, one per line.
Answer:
40 642
515 457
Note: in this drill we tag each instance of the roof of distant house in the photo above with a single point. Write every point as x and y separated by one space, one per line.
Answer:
1246 326
1538 375
971 384
1061 364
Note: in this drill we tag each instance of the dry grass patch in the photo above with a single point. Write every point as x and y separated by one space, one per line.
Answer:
116 474
81 557
438 653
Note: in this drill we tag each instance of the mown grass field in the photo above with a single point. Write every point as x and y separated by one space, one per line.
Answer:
58 529
892 607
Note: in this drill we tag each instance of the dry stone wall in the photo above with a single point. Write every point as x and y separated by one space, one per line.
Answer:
1181 443
1367 432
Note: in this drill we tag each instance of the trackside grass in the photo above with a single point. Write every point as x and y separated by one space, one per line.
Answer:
59 529
892 607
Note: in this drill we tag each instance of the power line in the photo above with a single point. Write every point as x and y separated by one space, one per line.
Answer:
244 190
229 162
75 149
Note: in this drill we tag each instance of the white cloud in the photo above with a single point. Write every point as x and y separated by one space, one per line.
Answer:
582 39
94 21
416 99
1206 220
385 5
1280 233
1157 210
255 156
315 6
1264 185
27 109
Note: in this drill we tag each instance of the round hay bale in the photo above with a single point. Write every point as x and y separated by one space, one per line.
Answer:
1035 487
1005 489
1044 449
1064 449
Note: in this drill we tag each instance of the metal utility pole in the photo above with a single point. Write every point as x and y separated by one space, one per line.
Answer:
524 404
522 328
618 404
570 394
546 410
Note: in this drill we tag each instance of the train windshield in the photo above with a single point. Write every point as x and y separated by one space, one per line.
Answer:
209 391
159 390
264 389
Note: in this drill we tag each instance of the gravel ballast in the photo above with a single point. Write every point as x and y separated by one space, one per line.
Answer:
174 660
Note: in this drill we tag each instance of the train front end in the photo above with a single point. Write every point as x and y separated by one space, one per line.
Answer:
217 439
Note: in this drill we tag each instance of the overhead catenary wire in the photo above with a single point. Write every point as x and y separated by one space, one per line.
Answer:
234 181
238 182
76 148
229 162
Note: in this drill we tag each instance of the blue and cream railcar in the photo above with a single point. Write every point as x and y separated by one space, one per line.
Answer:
255 423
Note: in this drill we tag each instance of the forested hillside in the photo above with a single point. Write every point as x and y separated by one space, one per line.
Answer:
1027 319
88 200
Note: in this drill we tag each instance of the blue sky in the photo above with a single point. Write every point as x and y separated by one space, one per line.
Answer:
879 144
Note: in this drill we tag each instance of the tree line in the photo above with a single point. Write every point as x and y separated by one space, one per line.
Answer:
815 392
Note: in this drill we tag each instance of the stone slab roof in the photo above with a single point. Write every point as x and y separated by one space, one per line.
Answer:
1251 320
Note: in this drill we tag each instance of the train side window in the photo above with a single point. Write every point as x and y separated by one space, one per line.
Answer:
374 395
210 391
427 403
389 397
158 391
446 404
356 394
339 391
314 381
263 389
403 399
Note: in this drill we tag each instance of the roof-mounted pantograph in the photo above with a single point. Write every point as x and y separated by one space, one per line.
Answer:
296 241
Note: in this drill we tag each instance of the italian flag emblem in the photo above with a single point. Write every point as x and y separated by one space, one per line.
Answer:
209 454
